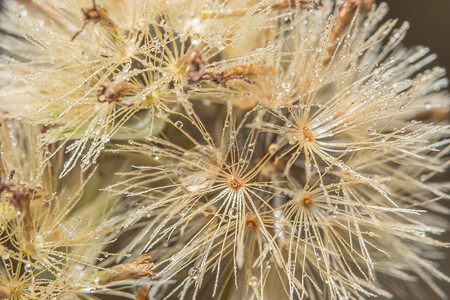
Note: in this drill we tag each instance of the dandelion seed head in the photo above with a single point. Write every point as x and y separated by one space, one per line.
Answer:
235 183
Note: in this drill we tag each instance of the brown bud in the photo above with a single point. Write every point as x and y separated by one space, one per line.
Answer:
138 268
97 14
113 91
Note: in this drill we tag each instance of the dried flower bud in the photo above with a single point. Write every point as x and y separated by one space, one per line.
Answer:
197 65
114 91
143 293
138 268
97 14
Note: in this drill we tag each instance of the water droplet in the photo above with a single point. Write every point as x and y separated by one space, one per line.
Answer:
28 268
233 213
253 281
178 124
291 266
371 131
197 170
193 273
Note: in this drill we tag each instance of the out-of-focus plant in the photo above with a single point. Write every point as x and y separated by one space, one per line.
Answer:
255 149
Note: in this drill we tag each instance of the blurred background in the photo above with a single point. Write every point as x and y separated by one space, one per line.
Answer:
429 26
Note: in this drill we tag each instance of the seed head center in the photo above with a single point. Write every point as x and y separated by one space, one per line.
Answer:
235 183
306 201
251 223
307 134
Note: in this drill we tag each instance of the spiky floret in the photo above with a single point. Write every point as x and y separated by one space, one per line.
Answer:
120 63
52 237
331 128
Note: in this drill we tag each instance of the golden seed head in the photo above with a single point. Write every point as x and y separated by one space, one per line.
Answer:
252 223
307 134
306 201
235 183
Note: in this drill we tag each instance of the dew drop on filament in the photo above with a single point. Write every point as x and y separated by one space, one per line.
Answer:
193 273
253 281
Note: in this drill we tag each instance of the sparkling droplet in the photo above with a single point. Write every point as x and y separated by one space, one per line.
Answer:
292 266
28 268
193 273
371 131
179 124
233 213
253 281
